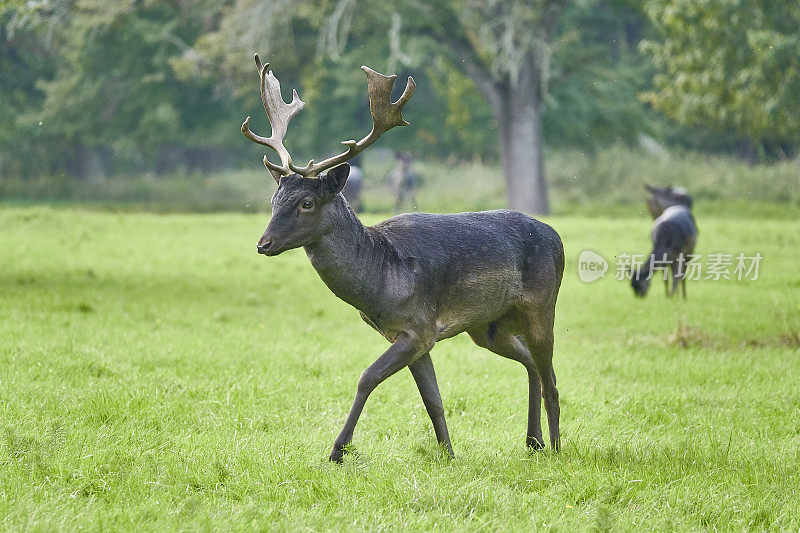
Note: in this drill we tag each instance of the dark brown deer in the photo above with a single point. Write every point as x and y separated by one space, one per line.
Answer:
674 236
418 278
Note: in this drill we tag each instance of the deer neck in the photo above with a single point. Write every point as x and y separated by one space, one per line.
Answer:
347 259
646 269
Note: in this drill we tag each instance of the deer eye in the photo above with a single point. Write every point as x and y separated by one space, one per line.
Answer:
307 205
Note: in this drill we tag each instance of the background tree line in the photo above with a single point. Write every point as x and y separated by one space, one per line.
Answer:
99 87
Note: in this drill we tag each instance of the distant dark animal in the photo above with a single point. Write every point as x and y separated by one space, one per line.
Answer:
403 180
418 278
674 236
662 198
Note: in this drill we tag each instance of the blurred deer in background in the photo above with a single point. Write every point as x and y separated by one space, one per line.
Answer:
403 180
417 278
662 198
674 236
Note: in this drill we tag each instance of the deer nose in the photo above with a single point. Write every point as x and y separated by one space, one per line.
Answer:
264 246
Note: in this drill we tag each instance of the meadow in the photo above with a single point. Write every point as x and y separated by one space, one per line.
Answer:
157 374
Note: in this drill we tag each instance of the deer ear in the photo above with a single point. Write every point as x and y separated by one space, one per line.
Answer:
334 180
276 176
650 189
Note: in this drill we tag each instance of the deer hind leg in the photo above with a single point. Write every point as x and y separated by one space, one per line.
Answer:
682 274
405 350
495 338
425 376
675 279
676 269
540 345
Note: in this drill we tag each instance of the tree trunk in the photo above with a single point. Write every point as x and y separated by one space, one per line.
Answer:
520 134
516 108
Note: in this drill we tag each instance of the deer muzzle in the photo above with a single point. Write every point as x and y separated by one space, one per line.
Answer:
266 246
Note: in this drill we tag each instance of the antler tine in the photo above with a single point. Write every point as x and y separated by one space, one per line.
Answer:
385 116
279 114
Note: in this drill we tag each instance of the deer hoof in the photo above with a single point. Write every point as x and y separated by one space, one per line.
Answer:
533 443
337 454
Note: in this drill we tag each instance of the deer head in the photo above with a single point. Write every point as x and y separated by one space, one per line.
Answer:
661 198
302 207
640 282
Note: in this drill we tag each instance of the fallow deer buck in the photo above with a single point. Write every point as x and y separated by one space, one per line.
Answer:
417 278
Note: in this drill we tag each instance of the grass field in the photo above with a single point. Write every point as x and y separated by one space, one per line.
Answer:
156 373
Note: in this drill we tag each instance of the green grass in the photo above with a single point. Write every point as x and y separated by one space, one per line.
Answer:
156 373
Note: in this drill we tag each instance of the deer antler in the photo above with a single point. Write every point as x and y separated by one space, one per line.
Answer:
279 114
385 116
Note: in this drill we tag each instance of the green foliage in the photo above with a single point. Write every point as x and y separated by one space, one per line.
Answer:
115 70
24 60
110 94
583 53
729 66
100 87
149 384
470 127
505 38
596 75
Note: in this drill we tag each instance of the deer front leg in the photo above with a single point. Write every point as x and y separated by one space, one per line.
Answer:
425 376
403 352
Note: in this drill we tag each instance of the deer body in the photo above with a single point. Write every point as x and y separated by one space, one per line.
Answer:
674 237
418 278
443 273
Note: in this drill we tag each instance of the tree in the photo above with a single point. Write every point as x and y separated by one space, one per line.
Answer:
596 77
114 96
106 86
506 49
514 52
26 58
731 66
483 59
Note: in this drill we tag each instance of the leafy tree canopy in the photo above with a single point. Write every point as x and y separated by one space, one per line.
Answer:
100 86
729 65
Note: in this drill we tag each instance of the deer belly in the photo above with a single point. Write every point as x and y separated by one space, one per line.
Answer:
476 300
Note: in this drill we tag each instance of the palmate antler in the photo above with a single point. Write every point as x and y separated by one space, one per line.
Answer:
279 114
385 116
